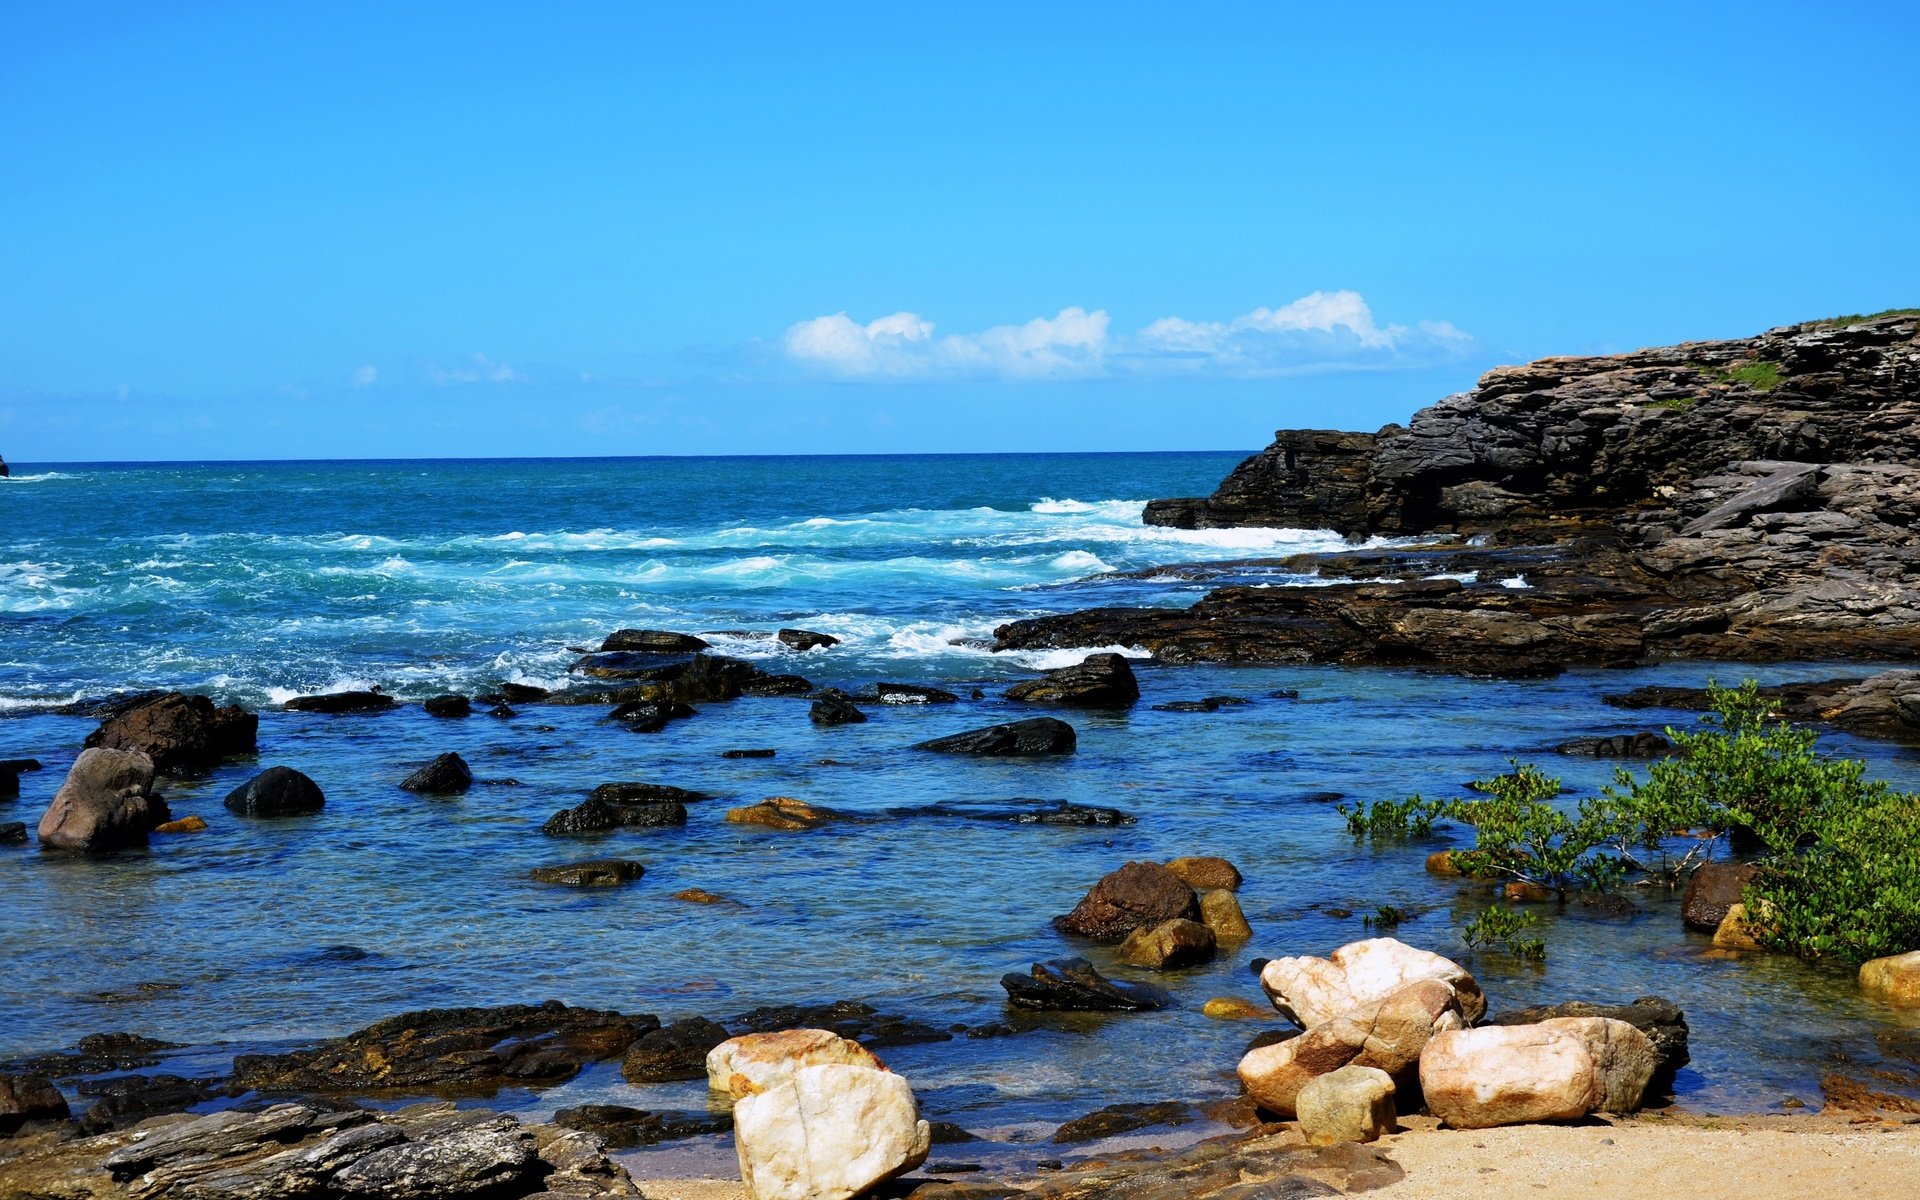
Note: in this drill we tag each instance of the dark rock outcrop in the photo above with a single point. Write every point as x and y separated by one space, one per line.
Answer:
834 707
1032 738
653 641
1072 985
182 734
13 833
1885 705
443 776
1138 894
448 706
806 639
1097 681
277 792
341 703
126 1100
675 1051
621 1127
454 1050
25 1098
106 803
690 678
1748 500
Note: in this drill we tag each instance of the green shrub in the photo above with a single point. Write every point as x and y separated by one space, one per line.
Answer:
1519 834
1854 893
1392 819
1858 318
1502 927
1744 771
1385 917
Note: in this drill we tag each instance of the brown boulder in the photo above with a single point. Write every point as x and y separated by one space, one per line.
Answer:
1711 890
1205 871
1389 1035
182 734
1139 893
1220 912
782 812
26 1098
107 803
1176 943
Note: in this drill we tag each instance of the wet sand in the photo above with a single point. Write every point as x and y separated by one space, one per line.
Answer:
1704 1158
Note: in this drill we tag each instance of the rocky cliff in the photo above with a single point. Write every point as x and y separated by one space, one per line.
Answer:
1748 499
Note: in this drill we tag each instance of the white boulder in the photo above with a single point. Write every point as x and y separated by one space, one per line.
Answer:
828 1131
1557 1070
1312 990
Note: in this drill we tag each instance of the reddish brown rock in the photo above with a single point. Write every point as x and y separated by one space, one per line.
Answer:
182 734
1139 893
1711 890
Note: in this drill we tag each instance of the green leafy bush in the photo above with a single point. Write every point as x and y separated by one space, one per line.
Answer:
1389 819
1854 893
1503 927
1520 834
1742 773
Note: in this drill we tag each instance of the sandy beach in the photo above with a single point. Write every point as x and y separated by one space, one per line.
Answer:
1627 1158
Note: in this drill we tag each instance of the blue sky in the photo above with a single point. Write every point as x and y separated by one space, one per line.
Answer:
318 230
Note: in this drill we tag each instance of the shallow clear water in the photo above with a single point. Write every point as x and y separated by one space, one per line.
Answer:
257 582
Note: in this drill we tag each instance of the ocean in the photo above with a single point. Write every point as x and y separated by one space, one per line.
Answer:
256 582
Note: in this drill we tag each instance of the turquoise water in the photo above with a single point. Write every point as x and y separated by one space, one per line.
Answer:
258 582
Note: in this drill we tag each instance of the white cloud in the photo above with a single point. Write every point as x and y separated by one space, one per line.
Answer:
478 369
903 346
366 376
1320 331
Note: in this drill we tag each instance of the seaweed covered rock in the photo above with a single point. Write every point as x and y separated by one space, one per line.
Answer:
595 873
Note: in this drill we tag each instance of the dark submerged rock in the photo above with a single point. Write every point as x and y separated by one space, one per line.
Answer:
1072 985
653 641
596 873
473 1050
1098 681
1062 813
522 693
907 694
651 716
182 734
748 753
13 833
277 792
1032 738
340 703
1116 1119
445 775
1617 745
594 815
675 1051
638 793
806 639
621 1127
849 1018
1139 893
126 1100
19 766
691 679
448 706
835 707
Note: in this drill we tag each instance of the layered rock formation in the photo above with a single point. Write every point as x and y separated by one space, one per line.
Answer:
1747 499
